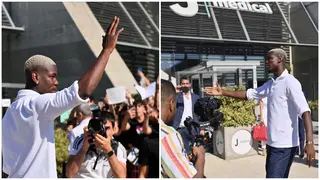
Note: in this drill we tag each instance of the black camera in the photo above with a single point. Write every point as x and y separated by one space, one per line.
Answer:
194 128
208 110
96 124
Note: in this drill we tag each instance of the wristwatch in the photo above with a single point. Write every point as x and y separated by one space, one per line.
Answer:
109 154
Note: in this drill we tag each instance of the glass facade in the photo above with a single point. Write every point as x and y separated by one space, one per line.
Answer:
189 42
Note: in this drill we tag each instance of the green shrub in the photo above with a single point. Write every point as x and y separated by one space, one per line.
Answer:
313 105
61 143
237 112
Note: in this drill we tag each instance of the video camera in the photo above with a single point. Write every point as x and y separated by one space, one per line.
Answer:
210 120
208 110
194 128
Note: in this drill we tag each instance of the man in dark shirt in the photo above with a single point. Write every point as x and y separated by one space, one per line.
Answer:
149 158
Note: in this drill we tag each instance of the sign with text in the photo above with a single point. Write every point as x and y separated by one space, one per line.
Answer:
220 142
241 142
193 7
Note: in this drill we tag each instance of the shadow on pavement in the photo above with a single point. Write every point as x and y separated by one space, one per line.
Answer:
304 161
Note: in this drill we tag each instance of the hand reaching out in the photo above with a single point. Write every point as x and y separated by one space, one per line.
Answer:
215 90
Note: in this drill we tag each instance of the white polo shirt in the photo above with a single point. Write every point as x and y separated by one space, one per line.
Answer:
28 132
75 137
286 102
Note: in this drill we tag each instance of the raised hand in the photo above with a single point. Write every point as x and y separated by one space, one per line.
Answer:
111 37
128 94
215 90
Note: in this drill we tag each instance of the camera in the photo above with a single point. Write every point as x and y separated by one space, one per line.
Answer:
96 124
198 139
208 110
194 128
210 119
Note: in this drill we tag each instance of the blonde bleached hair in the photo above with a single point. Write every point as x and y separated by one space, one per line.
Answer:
37 61
280 53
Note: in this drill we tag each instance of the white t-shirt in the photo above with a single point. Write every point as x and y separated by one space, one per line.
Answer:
28 129
187 109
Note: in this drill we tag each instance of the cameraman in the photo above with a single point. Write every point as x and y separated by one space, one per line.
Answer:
174 161
109 158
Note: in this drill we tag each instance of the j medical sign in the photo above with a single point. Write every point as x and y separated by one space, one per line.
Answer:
193 7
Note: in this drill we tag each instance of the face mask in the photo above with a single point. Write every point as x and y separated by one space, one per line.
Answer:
184 89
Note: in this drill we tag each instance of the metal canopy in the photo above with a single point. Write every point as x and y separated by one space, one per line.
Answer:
219 36
7 22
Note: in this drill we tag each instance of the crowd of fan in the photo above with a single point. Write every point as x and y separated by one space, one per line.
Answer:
135 125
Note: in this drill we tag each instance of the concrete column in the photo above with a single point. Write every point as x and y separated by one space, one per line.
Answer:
201 85
215 75
254 79
239 72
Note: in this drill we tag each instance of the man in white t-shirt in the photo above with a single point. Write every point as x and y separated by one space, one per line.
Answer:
286 102
106 160
28 147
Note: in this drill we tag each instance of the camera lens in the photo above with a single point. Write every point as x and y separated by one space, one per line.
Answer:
94 125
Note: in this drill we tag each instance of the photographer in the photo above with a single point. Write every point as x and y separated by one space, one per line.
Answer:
106 160
174 161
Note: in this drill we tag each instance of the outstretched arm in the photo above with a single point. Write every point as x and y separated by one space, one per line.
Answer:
258 93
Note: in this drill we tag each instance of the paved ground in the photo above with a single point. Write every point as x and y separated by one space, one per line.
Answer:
254 166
